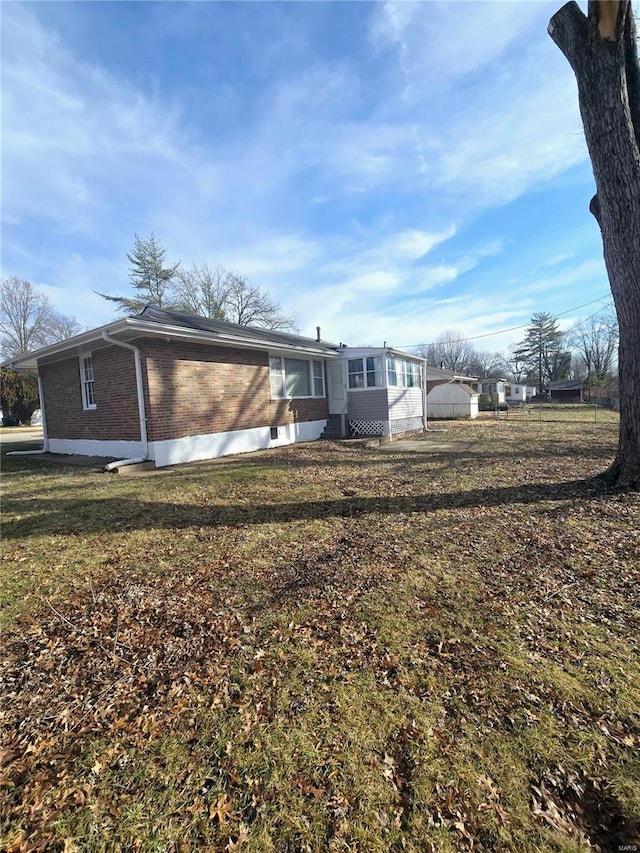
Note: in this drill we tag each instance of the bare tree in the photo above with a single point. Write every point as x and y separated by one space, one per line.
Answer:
28 320
487 364
202 290
595 342
516 364
249 305
601 48
450 350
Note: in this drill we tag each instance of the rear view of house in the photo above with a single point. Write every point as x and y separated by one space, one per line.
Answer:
171 387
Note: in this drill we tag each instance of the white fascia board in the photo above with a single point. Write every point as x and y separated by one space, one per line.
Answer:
128 329
73 346
363 352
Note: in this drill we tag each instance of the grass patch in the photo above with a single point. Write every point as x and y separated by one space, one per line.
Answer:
327 648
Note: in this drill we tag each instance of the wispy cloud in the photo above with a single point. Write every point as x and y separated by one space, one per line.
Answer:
346 179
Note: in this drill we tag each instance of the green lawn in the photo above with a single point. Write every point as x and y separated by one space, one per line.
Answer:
327 648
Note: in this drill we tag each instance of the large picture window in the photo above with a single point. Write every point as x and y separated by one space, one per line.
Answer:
87 382
296 377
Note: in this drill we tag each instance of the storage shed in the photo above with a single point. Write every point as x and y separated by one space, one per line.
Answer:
453 400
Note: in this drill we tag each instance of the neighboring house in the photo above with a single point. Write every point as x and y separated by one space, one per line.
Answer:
376 391
172 388
452 400
441 376
492 393
566 391
517 393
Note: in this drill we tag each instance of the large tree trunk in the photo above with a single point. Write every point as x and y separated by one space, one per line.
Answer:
602 51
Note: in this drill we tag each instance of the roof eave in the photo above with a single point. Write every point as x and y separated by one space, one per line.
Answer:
131 328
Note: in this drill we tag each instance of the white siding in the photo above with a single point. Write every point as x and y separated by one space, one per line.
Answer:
451 401
405 403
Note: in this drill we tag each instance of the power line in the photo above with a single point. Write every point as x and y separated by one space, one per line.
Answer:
512 328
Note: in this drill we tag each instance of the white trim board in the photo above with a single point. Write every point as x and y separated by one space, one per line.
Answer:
191 448
95 447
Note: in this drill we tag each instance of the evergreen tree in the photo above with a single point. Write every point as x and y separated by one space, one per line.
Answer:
542 351
18 394
149 275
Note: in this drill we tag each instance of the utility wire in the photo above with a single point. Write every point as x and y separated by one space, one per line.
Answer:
512 328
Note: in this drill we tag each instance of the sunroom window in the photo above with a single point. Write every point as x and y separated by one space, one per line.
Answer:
374 372
392 374
365 372
356 373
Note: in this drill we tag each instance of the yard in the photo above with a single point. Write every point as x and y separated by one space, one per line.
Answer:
327 648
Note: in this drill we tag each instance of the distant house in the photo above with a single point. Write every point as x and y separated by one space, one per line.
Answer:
376 391
171 387
566 391
442 376
516 392
492 393
452 400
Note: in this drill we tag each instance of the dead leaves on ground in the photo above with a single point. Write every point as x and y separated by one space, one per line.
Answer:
474 620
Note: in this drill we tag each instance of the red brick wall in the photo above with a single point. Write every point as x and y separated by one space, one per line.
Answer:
116 414
194 389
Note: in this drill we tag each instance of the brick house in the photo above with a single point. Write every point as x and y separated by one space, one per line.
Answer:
171 387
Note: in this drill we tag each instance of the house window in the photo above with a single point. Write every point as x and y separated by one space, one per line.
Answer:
318 379
356 373
392 375
404 374
296 377
365 372
276 374
87 383
374 372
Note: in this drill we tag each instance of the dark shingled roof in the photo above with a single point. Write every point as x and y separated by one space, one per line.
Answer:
205 324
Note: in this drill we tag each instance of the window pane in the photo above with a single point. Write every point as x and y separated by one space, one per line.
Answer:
88 369
318 379
276 376
356 373
410 375
296 380
88 394
392 376
374 372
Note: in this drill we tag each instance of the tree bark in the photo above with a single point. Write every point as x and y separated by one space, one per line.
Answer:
602 51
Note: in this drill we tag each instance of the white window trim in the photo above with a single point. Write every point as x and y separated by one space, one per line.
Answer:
363 363
86 405
312 377
400 369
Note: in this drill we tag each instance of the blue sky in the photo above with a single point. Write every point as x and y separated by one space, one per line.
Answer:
387 171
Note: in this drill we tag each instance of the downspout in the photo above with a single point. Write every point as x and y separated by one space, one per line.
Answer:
45 439
120 463
425 426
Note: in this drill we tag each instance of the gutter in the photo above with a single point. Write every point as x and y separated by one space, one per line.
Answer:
120 463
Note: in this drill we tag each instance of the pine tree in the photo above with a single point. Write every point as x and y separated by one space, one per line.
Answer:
541 350
149 276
